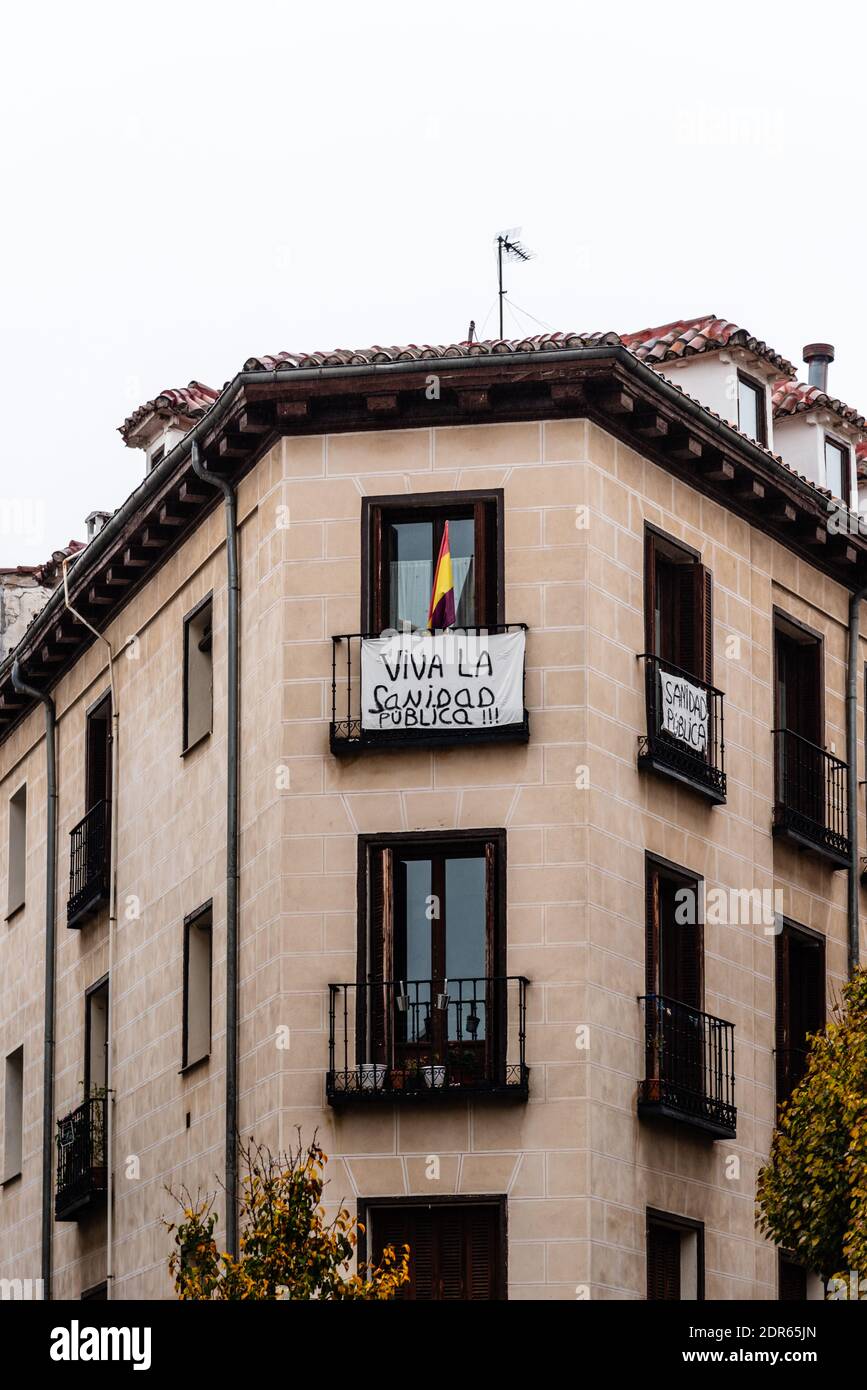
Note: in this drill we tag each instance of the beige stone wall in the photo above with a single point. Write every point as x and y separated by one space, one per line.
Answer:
575 1163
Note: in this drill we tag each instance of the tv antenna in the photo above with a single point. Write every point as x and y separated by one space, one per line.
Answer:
509 246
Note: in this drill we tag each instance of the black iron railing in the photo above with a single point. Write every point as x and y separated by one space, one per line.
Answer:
88 863
811 790
685 735
427 1040
425 725
689 1066
81 1159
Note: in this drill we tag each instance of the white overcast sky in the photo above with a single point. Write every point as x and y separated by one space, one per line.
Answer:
186 185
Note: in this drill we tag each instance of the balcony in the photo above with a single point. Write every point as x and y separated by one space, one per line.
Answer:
428 689
88 864
81 1167
810 802
689 1068
685 736
426 1041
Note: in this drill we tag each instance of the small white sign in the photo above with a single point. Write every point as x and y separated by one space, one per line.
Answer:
442 681
683 711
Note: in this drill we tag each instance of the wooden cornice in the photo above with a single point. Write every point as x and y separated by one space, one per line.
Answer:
610 387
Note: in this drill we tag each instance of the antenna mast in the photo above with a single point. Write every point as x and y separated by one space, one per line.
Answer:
508 243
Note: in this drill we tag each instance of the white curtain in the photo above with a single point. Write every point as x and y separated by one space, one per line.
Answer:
412 582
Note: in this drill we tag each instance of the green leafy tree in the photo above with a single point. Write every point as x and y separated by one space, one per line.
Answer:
812 1192
287 1249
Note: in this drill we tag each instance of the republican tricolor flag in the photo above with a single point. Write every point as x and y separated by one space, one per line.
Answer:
442 599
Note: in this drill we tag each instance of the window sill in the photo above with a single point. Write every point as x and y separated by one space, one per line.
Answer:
14 911
191 747
12 1177
193 1066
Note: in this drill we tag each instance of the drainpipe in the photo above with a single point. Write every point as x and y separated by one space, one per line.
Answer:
232 698
112 931
852 783
50 934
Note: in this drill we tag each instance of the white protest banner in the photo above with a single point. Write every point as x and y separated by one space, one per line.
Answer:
444 680
683 711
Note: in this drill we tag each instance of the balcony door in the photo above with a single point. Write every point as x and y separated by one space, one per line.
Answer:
434 955
96 1040
800 1002
98 754
678 607
403 539
674 959
799 720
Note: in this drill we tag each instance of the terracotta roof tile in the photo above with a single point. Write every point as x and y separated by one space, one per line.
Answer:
795 397
413 352
189 402
688 337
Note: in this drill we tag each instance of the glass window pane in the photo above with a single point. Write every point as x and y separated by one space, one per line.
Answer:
410 577
416 930
748 409
462 543
466 933
834 468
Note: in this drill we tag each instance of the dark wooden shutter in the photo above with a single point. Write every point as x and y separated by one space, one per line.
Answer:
705 585
651 920
650 594
689 955
485 591
396 1226
663 1263
379 945
376 580
483 1253
451 1251
689 630
781 1013
98 755
793 1281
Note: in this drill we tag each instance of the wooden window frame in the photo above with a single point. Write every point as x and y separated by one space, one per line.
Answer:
92 714
656 541
653 864
685 1225
193 919
744 379
845 453
367 1205
186 746
374 509
16 852
782 1001
9 1175
98 985
799 631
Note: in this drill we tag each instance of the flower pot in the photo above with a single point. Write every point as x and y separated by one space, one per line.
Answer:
372 1076
434 1077
398 1079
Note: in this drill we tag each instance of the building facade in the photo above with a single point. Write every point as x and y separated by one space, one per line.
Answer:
537 982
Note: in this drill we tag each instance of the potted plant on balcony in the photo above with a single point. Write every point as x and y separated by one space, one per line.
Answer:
372 1076
434 1075
463 1066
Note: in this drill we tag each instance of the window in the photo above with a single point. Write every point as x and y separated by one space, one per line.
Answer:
456 1250
434 914
17 861
792 1280
98 754
402 541
837 469
675 1258
96 1040
674 934
752 417
13 1114
798 676
800 1001
197 987
97 1293
678 606
198 674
